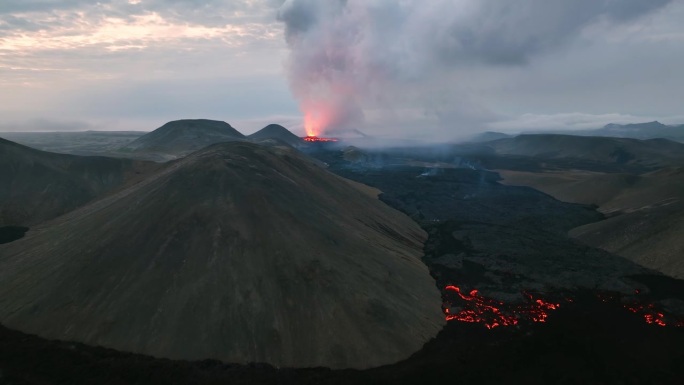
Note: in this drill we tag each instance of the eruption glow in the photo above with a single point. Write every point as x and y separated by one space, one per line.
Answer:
314 123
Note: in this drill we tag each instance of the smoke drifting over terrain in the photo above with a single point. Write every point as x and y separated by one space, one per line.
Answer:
359 62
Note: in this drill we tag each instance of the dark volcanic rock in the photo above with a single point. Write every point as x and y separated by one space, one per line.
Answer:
505 261
238 252
501 240
12 233
471 195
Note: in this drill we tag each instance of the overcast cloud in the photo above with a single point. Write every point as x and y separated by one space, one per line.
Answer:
402 68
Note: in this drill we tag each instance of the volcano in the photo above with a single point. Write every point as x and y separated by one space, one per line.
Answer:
278 132
182 137
238 252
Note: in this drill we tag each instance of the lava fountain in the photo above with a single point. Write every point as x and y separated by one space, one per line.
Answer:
314 125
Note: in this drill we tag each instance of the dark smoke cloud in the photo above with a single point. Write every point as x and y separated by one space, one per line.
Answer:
352 59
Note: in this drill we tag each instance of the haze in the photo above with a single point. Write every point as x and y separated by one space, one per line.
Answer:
441 69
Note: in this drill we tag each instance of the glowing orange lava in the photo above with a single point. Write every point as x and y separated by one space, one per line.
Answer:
474 308
649 312
492 313
317 139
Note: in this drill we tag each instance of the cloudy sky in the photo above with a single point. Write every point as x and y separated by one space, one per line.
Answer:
412 68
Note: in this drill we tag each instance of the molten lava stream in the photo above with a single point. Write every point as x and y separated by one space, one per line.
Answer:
649 312
474 308
492 313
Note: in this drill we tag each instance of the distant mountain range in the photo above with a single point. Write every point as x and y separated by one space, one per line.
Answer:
649 130
650 153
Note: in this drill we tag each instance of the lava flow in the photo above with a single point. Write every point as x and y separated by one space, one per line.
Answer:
475 308
649 312
316 139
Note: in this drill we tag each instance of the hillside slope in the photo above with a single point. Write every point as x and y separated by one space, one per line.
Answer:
238 252
36 186
645 209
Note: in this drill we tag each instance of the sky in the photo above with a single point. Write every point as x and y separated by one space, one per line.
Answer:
396 68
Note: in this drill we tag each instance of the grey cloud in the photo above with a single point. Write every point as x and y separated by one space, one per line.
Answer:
299 16
12 23
512 32
202 12
345 54
16 6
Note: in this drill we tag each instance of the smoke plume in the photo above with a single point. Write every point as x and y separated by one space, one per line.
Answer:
355 63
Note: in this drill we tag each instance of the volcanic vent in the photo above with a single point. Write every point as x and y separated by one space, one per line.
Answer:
237 252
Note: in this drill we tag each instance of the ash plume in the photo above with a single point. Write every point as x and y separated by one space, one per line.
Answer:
359 63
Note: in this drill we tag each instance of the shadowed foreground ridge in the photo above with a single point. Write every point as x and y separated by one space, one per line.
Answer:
238 252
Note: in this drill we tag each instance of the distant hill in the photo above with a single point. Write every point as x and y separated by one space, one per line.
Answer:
650 130
652 153
276 131
488 136
181 137
98 143
36 186
238 252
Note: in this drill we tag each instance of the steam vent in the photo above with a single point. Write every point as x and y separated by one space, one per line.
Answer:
238 252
